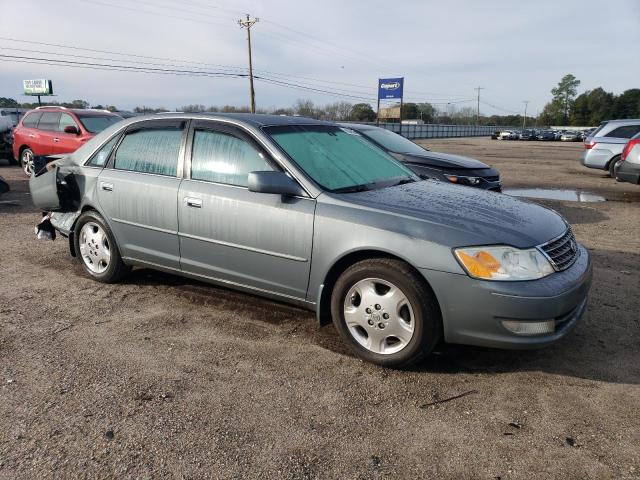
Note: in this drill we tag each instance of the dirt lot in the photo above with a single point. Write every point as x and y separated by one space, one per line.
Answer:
161 377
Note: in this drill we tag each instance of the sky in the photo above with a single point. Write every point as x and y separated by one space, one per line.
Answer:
514 50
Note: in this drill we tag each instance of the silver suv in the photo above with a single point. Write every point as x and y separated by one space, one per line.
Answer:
603 147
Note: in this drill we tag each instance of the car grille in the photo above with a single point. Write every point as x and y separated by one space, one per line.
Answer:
562 251
492 178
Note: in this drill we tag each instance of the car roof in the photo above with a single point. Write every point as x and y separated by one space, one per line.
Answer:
75 111
251 119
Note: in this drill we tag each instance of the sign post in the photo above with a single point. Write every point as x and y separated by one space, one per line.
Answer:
390 89
38 88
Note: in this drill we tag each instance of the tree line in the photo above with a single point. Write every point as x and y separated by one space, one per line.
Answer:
589 108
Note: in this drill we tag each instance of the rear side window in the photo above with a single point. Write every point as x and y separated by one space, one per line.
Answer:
627 131
66 120
153 150
31 120
222 158
49 121
99 159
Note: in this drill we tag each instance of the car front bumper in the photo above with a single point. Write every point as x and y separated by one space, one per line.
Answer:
473 310
628 172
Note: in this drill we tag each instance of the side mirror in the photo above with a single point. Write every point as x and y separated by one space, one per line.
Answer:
274 182
72 129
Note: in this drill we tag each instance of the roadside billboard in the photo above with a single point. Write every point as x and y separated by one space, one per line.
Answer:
40 87
390 88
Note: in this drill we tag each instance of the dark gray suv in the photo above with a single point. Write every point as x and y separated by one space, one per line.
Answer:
311 213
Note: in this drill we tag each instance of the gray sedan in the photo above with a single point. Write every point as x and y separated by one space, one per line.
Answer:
313 214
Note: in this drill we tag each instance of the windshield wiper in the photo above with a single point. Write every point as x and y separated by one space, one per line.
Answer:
351 189
403 181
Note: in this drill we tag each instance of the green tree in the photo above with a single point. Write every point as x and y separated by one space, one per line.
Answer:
564 95
627 104
8 102
410 111
426 112
362 112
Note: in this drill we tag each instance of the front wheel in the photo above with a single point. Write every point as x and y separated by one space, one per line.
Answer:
26 161
385 312
97 249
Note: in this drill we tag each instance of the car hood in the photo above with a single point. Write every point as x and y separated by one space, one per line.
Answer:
443 160
454 215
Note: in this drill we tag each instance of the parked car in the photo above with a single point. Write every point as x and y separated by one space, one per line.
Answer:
527 135
628 168
506 135
603 148
495 134
427 164
546 135
9 118
307 212
569 136
56 130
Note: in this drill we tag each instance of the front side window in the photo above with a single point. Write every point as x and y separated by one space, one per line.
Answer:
222 158
31 120
99 159
66 120
153 150
97 123
49 121
338 159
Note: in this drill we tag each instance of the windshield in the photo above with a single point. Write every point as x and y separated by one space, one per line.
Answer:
392 141
339 159
97 123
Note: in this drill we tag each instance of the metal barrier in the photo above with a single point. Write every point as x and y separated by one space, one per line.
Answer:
437 130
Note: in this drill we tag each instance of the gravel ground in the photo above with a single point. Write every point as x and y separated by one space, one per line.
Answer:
162 377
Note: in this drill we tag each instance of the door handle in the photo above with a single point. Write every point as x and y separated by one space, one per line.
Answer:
193 202
107 187
56 139
31 135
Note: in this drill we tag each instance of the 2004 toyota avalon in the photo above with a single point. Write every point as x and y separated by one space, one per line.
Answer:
311 213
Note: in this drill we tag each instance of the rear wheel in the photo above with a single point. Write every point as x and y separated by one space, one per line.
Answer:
26 161
385 312
97 249
612 165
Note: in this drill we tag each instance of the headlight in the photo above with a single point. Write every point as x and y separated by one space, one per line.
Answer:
463 180
503 263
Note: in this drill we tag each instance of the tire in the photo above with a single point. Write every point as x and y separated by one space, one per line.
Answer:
612 165
97 249
26 161
375 299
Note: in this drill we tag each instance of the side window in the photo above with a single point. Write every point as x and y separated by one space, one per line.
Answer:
49 121
66 120
627 131
153 150
222 158
99 159
31 120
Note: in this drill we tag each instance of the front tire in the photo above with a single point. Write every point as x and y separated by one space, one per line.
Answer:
385 312
26 161
97 249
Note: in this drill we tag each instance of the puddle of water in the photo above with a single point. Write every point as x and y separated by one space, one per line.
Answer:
551 194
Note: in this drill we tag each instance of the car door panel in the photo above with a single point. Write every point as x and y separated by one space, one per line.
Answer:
142 206
253 239
261 241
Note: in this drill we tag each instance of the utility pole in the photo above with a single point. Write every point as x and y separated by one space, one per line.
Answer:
524 120
478 112
248 23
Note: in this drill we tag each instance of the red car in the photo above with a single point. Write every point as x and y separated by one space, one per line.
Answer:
56 130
